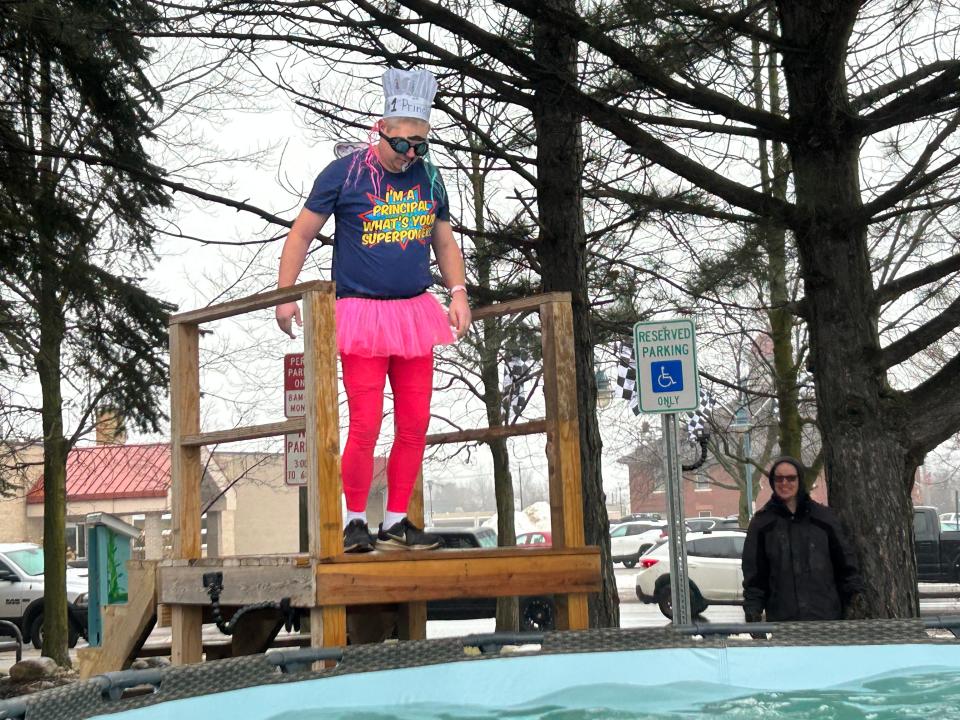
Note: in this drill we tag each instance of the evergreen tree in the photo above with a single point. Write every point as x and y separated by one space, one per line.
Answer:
74 238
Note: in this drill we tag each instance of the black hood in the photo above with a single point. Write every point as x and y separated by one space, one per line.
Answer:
802 491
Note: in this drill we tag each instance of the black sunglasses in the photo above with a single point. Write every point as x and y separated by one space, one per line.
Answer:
401 145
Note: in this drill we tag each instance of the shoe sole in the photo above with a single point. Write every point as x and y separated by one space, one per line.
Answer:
359 548
396 545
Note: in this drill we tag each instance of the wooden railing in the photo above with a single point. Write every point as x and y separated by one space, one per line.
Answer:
321 427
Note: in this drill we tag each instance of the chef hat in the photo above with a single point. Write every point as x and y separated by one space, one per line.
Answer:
408 93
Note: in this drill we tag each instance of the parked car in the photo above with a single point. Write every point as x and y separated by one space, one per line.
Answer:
639 517
713 564
702 524
938 550
628 541
536 612
949 517
729 523
540 538
21 593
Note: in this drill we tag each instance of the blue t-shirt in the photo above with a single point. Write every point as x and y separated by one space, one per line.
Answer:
381 246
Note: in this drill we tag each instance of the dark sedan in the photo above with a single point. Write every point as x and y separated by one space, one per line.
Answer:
536 612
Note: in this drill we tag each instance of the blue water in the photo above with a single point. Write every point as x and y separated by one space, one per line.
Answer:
934 694
865 682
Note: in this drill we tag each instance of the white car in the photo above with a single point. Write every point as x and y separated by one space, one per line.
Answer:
713 563
629 540
21 592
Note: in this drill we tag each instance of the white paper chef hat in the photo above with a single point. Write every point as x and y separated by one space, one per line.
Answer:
408 93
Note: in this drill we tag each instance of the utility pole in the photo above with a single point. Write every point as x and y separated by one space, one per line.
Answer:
742 422
520 483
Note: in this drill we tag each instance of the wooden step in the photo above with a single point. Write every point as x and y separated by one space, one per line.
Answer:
125 627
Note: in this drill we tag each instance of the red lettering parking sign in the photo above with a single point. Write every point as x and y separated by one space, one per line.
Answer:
294 405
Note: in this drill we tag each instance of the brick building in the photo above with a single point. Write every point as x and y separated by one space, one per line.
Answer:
711 491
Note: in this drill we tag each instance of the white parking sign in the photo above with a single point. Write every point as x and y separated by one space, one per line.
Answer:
666 354
295 445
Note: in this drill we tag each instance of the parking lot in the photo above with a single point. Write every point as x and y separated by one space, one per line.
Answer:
633 613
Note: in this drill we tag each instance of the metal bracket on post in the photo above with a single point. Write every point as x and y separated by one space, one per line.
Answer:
679 577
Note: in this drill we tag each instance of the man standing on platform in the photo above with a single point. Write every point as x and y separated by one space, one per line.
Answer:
391 208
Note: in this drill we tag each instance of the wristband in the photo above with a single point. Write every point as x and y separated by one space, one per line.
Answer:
455 288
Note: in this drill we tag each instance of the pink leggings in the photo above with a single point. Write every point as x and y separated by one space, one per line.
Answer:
412 382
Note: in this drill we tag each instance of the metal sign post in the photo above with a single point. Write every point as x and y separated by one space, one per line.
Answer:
679 577
667 377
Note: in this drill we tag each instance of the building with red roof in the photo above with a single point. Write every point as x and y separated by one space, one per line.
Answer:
248 509
114 472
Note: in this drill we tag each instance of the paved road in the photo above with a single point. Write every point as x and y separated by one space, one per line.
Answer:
633 613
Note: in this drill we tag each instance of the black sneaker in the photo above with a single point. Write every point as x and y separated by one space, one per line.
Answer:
404 535
357 537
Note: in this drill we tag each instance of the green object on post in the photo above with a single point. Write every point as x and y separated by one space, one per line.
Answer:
109 545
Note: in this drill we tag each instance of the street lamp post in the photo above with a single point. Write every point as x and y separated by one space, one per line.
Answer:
742 422
430 499
520 484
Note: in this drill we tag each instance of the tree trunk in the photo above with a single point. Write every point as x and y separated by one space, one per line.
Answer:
507 607
55 629
508 613
774 174
563 261
867 464
508 616
52 329
55 632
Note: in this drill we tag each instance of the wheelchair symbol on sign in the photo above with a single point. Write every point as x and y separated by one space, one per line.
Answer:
665 381
666 376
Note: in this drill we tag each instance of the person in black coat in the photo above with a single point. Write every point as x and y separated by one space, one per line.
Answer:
797 563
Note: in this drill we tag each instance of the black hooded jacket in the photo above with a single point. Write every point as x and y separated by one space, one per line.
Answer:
797 566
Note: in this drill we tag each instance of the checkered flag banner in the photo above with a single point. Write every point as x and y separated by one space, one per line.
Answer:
697 419
627 377
516 376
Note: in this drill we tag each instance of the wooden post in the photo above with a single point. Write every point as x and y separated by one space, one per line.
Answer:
185 471
563 447
412 618
328 625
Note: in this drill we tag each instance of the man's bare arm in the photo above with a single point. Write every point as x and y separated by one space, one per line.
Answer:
450 260
295 247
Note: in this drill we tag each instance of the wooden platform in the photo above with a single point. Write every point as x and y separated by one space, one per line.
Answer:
326 581
379 577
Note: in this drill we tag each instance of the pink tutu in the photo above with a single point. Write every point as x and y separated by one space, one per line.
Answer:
378 328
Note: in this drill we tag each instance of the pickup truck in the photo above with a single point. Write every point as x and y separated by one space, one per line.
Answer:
938 552
21 593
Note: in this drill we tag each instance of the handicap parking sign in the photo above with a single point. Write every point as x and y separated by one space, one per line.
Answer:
666 353
666 376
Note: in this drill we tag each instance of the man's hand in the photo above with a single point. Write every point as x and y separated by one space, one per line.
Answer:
459 313
286 314
304 230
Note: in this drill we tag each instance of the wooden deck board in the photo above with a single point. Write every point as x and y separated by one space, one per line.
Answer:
462 573
382 577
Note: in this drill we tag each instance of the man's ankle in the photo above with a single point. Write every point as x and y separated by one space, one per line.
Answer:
355 515
392 518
